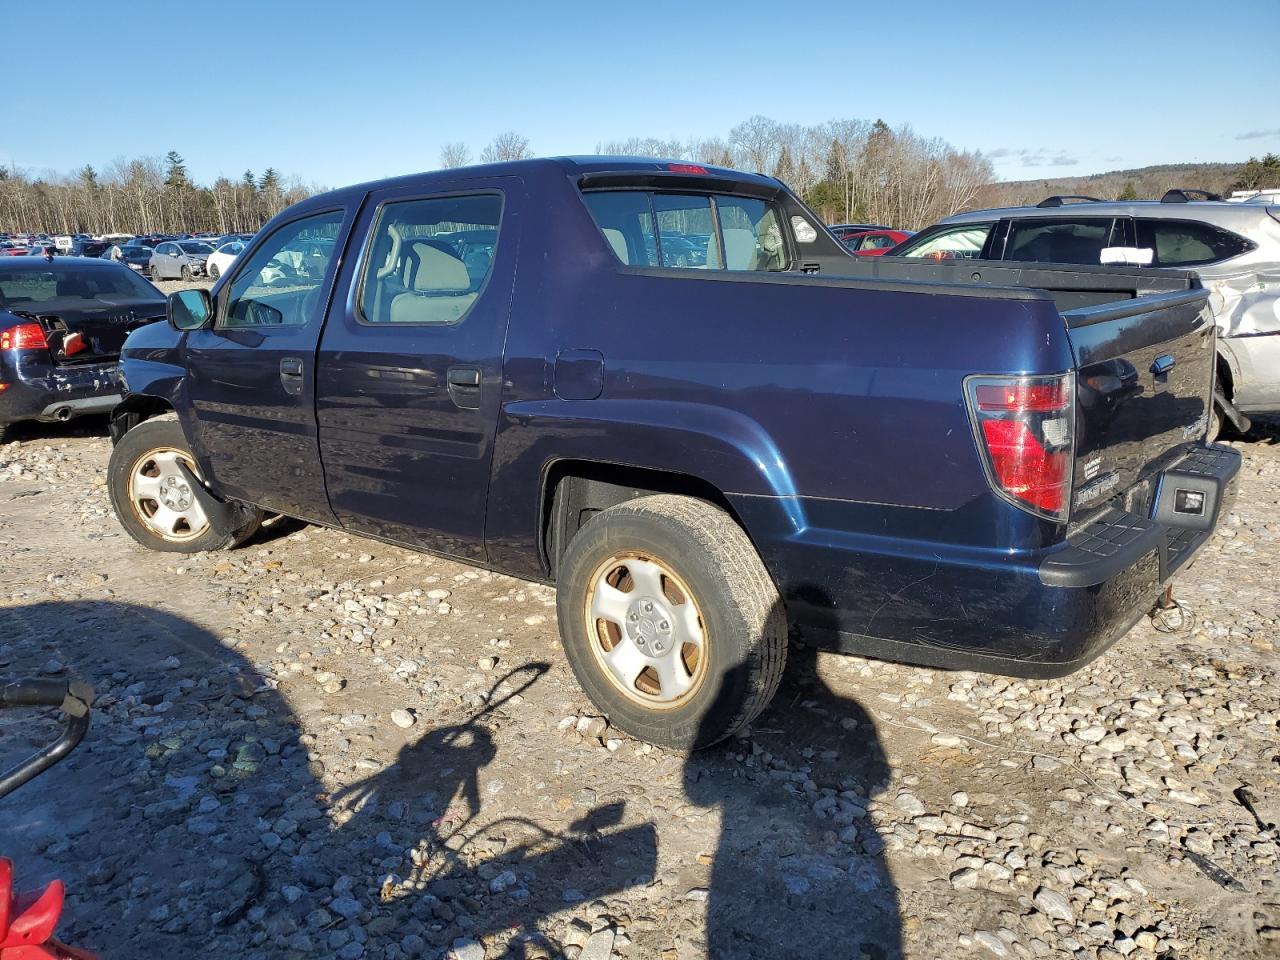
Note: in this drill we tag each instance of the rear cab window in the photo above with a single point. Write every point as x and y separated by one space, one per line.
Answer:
690 231
960 241
1186 243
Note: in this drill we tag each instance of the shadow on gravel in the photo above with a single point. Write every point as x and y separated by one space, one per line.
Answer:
90 425
786 882
192 821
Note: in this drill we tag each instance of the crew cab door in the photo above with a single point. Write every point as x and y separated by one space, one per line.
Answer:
410 366
251 376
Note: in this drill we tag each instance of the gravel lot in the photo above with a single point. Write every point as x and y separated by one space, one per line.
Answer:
320 746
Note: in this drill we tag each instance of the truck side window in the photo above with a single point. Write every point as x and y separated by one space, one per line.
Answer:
626 220
752 235
429 259
281 283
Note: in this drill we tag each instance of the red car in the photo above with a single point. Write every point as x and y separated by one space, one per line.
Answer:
875 243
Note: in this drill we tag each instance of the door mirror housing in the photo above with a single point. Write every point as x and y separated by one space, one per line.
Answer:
189 309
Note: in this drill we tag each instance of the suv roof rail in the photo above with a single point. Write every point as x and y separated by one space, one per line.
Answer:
1058 201
1185 196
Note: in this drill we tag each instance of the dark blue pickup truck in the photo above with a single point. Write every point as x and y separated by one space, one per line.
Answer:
667 389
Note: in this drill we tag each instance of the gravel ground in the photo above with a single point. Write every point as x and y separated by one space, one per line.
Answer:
319 746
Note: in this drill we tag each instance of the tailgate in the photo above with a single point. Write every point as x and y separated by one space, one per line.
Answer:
1145 376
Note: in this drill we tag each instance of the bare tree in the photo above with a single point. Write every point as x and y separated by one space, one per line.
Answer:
643 147
757 142
454 155
506 146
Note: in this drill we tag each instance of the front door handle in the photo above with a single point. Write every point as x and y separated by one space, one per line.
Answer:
464 386
1163 364
291 375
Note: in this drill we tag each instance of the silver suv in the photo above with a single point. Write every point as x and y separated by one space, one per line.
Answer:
1234 247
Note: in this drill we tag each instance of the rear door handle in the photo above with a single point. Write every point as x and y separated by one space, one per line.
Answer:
291 375
464 386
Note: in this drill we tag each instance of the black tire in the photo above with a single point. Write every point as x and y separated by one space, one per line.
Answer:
1216 423
161 433
213 271
186 273
742 617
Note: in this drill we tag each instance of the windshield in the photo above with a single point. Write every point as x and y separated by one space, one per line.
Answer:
27 289
198 248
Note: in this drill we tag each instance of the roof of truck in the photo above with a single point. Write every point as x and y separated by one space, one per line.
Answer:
571 166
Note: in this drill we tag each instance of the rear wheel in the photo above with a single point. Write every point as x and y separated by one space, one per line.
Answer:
670 621
152 497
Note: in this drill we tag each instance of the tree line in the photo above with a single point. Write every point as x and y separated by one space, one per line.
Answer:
144 195
847 170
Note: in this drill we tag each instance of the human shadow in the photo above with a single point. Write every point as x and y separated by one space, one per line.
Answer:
197 817
798 871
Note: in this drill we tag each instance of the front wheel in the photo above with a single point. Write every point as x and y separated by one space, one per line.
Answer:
152 498
670 621
213 271
186 273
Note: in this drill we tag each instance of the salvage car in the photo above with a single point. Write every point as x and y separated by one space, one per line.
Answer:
1233 247
179 259
1005 477
61 328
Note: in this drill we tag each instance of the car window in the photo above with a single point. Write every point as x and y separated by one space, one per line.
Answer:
429 259
33 287
703 231
280 284
963 241
201 249
1058 241
1185 243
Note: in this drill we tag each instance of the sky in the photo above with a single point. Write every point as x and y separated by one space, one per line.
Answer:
340 92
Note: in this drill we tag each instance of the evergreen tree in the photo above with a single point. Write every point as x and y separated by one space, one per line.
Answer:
1128 193
175 171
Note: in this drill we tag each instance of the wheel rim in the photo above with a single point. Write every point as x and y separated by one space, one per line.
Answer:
161 497
213 271
646 630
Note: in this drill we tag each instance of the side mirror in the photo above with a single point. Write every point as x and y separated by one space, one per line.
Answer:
189 309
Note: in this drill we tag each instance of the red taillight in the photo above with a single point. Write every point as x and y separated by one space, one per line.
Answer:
1023 397
687 168
1025 426
25 336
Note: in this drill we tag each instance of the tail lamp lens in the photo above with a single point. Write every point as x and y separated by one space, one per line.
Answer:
25 336
1025 431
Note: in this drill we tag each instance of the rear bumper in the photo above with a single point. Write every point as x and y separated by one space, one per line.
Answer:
1037 613
59 393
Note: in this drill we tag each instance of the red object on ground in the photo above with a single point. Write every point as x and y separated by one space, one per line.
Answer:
27 922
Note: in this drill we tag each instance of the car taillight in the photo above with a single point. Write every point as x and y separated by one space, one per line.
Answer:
25 336
1025 429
